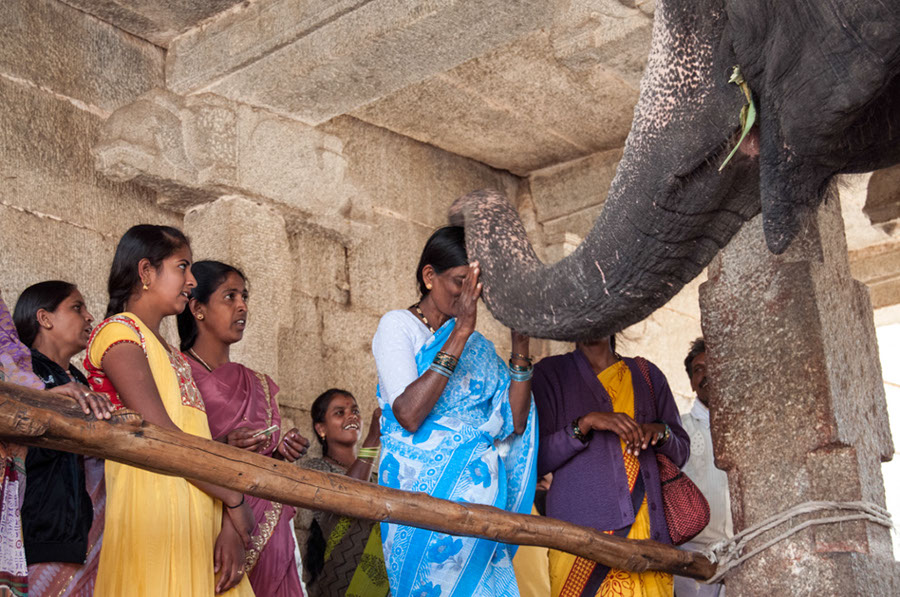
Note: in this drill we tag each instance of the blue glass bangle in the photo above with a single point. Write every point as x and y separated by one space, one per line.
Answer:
520 375
440 370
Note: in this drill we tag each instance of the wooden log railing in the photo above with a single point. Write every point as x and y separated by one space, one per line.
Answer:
43 419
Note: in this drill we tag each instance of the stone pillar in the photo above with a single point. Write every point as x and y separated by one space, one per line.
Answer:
251 237
798 407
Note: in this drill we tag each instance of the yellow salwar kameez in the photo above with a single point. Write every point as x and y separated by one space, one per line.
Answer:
160 531
569 573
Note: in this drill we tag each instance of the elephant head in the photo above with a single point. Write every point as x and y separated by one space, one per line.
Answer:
824 76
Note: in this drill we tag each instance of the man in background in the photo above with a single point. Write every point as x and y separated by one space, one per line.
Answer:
701 469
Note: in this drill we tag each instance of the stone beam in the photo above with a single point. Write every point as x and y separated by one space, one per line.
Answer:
157 21
193 150
314 60
798 407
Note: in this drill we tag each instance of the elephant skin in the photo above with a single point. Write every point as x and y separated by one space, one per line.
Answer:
825 77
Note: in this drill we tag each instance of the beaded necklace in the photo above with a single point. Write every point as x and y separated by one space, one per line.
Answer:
424 319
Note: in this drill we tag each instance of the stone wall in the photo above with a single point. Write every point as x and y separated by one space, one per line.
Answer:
327 223
61 73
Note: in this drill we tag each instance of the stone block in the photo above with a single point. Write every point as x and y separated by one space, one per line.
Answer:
300 356
879 268
400 177
81 58
318 60
516 108
252 238
52 174
382 266
611 33
347 339
192 150
576 186
320 266
295 165
37 248
576 224
157 21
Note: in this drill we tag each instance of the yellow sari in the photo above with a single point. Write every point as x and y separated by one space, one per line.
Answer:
569 573
160 530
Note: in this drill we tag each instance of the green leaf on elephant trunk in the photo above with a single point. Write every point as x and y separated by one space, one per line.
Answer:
748 112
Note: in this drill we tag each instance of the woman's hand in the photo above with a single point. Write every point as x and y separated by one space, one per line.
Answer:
293 445
467 302
244 522
652 434
228 557
373 437
96 403
621 424
243 437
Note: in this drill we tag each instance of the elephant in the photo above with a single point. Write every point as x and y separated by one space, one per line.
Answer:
825 77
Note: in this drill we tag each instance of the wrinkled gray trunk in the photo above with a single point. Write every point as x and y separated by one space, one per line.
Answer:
668 210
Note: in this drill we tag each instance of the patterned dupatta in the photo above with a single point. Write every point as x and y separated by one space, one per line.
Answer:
466 451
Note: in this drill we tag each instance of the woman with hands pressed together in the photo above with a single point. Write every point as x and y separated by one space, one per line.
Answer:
601 427
242 412
164 535
457 423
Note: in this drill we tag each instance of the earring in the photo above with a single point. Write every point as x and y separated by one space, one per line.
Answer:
428 287
200 316
145 287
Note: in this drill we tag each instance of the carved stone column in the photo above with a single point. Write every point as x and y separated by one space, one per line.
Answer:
798 407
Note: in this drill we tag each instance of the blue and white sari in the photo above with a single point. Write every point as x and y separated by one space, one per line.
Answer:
466 451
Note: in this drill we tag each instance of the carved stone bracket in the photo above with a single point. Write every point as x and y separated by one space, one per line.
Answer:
194 149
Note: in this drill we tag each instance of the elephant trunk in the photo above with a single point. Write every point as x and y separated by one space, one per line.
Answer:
668 209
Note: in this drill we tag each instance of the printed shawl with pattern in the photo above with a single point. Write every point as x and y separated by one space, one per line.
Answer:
466 451
15 367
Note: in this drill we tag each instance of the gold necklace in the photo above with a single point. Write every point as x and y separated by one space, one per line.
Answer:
424 319
199 360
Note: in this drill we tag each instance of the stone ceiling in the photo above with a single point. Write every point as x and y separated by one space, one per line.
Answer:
517 84
521 85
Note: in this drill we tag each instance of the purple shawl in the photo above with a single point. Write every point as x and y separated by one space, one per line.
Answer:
589 486
235 397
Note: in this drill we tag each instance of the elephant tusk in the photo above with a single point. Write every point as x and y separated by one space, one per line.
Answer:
748 112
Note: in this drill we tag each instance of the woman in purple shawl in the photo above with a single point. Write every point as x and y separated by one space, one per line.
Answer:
242 411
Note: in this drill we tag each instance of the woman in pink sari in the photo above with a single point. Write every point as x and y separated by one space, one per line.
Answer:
242 411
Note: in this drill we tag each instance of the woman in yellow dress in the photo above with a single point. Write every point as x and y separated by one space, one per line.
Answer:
164 536
602 422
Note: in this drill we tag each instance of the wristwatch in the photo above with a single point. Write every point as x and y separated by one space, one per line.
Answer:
578 434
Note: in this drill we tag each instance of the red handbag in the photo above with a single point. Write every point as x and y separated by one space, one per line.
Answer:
687 511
